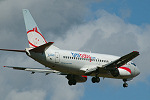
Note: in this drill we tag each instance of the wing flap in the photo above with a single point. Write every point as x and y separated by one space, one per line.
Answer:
89 69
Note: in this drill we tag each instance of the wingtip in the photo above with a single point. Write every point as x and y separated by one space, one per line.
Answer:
52 42
136 52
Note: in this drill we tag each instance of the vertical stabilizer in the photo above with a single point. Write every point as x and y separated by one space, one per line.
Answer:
35 37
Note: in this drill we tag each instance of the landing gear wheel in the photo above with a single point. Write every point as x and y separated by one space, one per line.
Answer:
72 82
95 79
125 85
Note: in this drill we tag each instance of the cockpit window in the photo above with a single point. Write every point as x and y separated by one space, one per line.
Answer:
133 64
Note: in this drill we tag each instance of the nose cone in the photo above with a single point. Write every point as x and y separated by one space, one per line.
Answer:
137 71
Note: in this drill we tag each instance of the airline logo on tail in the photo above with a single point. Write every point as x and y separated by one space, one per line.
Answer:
35 38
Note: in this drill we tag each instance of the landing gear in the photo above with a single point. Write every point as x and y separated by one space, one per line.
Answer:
95 79
72 82
71 79
125 84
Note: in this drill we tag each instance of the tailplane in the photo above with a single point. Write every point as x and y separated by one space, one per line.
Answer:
35 37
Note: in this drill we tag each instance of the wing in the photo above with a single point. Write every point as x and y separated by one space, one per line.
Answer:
122 60
89 69
33 70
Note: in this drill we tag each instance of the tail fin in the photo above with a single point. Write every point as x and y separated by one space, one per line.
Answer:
35 37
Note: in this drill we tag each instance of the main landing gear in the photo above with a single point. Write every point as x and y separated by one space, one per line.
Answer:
71 79
125 84
72 82
95 79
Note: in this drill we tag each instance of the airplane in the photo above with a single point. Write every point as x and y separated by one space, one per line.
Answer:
74 65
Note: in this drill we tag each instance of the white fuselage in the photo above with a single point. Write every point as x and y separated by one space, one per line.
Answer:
72 62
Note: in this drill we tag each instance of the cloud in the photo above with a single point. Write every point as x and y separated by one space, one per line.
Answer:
52 16
125 13
62 21
26 95
108 31
67 92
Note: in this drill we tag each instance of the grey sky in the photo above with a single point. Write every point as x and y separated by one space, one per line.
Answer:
63 21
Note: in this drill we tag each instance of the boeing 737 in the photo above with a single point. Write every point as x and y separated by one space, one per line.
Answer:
74 65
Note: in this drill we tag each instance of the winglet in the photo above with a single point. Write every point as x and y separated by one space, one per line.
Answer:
42 48
137 52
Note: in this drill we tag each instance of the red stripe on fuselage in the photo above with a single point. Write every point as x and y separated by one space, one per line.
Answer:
125 68
84 76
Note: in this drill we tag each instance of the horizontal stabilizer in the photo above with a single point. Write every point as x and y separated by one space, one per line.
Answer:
13 50
33 70
42 48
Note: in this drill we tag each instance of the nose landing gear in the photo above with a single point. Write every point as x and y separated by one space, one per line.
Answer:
125 84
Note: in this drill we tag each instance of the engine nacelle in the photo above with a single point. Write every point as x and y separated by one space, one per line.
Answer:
124 71
79 79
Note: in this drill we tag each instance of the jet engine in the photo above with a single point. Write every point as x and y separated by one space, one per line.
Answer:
122 71
73 79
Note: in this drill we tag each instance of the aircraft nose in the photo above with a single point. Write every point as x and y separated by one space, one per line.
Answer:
137 71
